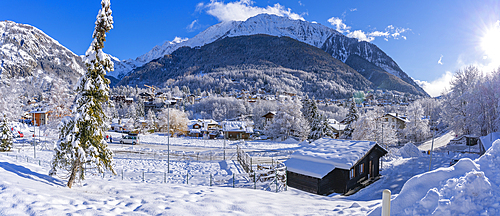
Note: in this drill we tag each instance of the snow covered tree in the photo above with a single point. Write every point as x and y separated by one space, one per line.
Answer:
82 145
178 121
5 135
60 102
351 117
388 134
317 122
307 109
365 128
261 108
151 120
417 129
457 103
288 122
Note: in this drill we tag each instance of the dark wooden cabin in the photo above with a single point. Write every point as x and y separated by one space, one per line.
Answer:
334 166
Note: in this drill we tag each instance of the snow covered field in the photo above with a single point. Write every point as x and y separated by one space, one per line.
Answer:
204 185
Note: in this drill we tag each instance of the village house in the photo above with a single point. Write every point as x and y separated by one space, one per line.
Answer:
329 165
337 127
396 119
236 130
39 116
121 125
207 128
269 117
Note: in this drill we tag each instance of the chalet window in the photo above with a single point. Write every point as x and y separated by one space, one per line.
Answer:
361 168
351 174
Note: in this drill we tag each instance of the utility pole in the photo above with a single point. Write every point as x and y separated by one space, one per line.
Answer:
168 133
168 137
434 129
224 130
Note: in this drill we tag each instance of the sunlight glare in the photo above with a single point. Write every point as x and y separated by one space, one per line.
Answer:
490 43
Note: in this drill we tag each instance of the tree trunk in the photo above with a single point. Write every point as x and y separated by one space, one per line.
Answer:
74 170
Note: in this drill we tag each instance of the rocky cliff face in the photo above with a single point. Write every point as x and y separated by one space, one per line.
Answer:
26 51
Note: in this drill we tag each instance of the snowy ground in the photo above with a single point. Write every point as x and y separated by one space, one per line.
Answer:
199 181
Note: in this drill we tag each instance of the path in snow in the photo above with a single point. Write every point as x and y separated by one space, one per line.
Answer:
439 141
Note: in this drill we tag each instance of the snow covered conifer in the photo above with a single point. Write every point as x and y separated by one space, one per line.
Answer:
318 123
351 117
5 136
82 145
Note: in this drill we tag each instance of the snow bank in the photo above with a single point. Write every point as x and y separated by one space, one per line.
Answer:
468 187
409 150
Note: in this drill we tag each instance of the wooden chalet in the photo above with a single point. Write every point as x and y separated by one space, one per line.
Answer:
329 165
236 130
39 117
269 117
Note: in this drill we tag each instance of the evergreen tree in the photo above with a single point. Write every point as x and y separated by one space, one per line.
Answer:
82 145
351 117
5 136
307 109
318 123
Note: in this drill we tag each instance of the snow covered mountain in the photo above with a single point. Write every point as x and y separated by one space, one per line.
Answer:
325 38
27 51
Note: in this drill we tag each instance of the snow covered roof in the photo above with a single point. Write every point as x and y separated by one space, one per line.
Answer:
320 157
395 115
488 140
237 126
39 111
336 125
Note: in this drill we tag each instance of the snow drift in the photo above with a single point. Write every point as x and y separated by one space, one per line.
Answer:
409 150
469 187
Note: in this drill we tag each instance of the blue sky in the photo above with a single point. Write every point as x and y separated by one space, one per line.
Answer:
435 38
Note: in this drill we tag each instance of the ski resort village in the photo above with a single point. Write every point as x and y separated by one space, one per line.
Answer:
261 112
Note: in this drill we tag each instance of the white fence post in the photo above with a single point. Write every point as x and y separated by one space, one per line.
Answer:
386 203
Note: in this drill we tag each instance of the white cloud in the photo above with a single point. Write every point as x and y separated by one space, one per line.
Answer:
353 9
438 86
440 60
243 9
339 24
192 26
360 35
179 40
301 4
379 34
389 32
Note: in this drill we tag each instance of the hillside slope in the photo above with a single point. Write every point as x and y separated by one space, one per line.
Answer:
256 61
26 51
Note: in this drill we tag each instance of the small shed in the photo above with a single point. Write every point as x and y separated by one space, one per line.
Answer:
468 140
329 165
485 142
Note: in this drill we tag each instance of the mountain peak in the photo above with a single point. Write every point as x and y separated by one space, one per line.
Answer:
25 49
